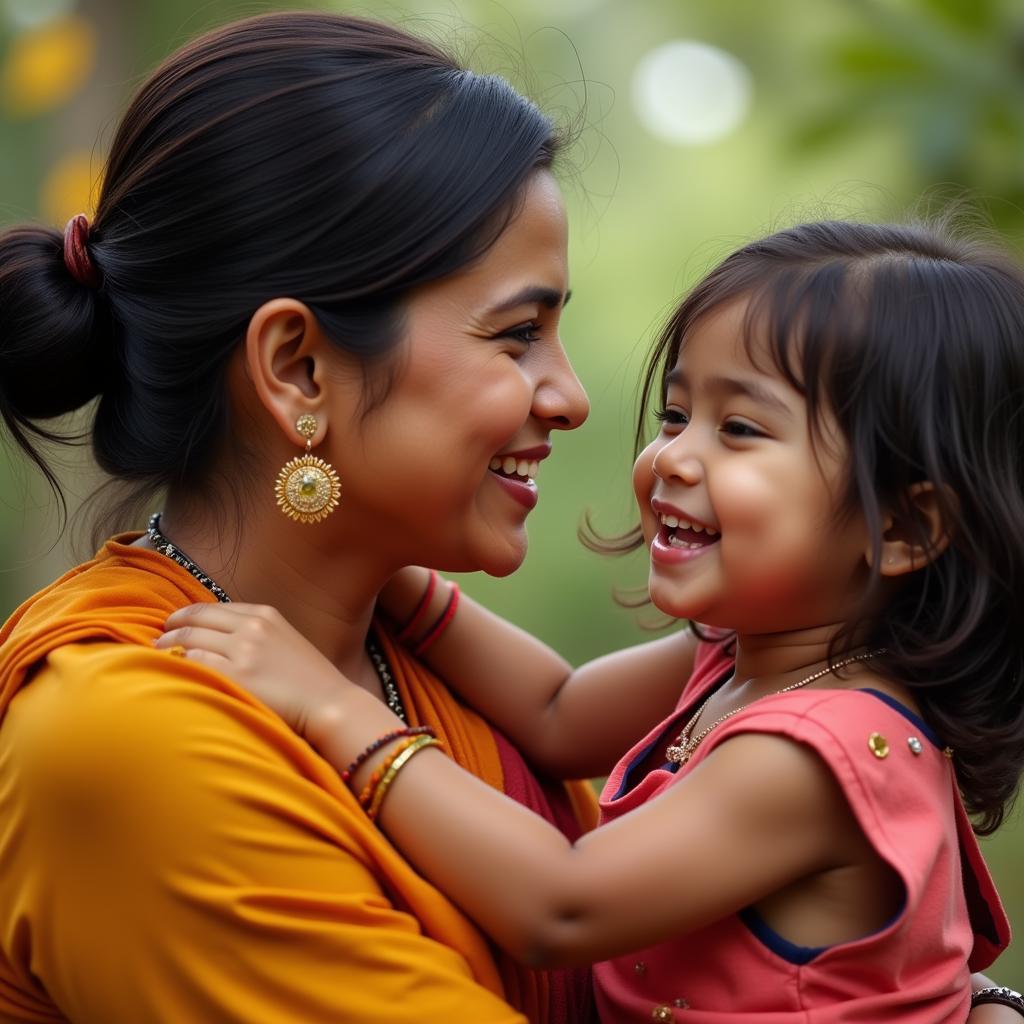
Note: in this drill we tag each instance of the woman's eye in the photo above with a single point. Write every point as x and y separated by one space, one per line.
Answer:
526 333
737 428
672 417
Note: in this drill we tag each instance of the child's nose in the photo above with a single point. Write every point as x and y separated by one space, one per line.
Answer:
679 460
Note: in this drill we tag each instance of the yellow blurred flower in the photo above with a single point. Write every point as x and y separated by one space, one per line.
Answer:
46 66
71 186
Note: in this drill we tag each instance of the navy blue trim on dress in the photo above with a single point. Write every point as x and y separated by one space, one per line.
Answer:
925 728
794 953
769 937
628 782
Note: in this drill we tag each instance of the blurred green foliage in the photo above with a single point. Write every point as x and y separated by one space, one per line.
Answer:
860 109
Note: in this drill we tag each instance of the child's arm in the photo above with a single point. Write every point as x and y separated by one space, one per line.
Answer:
632 883
534 695
991 1013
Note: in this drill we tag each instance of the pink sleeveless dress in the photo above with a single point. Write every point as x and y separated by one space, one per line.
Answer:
915 969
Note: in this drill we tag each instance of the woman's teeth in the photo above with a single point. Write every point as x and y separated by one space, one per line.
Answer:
510 466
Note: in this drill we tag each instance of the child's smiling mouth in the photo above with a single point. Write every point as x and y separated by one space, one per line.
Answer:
678 532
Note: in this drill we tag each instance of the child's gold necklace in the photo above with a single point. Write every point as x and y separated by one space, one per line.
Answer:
682 750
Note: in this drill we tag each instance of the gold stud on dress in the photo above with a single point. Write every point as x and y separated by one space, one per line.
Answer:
878 745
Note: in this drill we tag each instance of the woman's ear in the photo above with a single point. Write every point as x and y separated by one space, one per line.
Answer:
914 534
285 357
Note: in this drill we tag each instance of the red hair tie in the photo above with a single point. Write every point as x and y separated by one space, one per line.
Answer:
76 255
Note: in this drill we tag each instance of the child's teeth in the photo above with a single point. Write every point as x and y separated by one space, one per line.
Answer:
523 467
677 542
534 466
495 463
509 464
675 522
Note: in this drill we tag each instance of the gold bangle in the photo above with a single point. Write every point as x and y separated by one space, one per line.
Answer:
400 760
366 793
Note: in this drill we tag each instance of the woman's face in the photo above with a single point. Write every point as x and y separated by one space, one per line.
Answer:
442 472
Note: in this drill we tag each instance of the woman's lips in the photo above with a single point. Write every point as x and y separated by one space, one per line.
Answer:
523 491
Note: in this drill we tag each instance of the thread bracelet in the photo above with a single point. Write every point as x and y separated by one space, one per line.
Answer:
380 741
409 629
431 636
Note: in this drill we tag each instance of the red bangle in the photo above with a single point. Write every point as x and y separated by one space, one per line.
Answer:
409 628
432 634
395 734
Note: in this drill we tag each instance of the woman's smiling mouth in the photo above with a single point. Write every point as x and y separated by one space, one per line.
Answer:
515 471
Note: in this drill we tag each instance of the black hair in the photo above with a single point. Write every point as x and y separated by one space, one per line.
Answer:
912 337
332 159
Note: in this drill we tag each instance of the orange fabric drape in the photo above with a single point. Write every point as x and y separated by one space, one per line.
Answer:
170 850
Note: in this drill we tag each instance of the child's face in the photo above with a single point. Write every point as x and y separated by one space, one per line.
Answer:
738 506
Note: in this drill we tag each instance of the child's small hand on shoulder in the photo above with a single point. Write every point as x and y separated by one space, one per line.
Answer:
257 647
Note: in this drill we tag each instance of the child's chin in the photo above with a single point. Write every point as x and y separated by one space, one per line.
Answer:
668 600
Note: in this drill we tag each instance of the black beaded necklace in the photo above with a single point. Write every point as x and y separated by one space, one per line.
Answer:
392 697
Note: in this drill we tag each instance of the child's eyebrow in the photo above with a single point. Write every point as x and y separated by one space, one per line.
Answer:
747 386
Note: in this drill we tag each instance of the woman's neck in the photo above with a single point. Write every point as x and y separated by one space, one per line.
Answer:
325 585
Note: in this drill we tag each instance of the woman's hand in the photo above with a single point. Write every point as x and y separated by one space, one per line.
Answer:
257 647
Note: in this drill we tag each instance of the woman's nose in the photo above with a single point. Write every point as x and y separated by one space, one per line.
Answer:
560 399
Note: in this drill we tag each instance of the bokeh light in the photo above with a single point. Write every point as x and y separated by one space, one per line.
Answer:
689 93
46 66
23 14
71 186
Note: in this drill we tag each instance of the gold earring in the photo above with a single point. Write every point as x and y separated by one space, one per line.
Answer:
307 488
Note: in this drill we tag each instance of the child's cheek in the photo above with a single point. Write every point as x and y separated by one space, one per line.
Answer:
643 487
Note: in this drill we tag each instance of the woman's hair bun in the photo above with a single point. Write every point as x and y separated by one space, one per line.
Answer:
54 332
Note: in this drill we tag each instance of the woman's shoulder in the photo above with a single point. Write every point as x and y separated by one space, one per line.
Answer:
101 708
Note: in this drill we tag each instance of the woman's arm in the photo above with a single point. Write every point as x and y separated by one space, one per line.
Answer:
534 695
547 901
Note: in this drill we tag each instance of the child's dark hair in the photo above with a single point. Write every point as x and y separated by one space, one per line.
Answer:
913 339
331 159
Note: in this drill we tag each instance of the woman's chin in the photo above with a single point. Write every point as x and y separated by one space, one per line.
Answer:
503 557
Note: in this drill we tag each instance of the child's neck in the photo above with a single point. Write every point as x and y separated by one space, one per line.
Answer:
769 656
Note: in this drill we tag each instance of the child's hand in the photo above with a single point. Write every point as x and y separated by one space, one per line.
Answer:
256 646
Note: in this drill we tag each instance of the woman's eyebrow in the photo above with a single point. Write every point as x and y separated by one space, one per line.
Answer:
531 295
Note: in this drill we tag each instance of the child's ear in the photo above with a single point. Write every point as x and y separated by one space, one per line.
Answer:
916 533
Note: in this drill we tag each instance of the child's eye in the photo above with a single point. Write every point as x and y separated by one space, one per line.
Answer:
737 428
672 417
526 333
